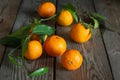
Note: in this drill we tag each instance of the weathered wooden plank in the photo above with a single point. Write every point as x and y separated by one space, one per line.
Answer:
95 65
8 11
26 13
111 10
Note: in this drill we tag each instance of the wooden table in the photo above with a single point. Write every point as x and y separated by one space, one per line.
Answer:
101 53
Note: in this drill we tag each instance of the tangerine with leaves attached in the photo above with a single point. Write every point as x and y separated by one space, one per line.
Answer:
79 33
65 18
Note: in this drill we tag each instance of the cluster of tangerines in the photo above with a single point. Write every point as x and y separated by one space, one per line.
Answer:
55 45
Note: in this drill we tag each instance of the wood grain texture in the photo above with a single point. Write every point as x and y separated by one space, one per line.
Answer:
95 65
8 11
8 71
111 10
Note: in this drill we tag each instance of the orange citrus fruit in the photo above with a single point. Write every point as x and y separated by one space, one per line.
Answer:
46 9
55 45
71 59
65 18
34 50
79 33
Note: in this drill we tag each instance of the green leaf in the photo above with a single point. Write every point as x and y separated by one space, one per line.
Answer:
101 19
96 15
10 41
87 25
22 32
43 29
25 46
96 23
14 39
69 6
11 58
91 30
74 16
72 10
38 72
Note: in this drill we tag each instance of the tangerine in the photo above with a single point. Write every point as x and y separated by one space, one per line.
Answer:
34 50
65 18
71 59
79 33
46 9
55 45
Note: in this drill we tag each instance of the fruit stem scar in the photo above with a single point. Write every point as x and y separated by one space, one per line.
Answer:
57 37
70 62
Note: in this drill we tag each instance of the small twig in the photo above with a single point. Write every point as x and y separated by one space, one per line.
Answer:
47 18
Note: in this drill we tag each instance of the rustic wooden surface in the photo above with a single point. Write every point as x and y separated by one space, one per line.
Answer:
26 12
111 10
101 52
8 12
95 65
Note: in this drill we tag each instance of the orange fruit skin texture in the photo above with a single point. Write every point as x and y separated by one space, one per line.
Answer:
71 59
79 33
34 50
65 18
55 46
46 9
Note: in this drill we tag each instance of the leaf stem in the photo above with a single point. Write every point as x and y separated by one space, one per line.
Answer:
24 46
11 52
47 18
11 57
